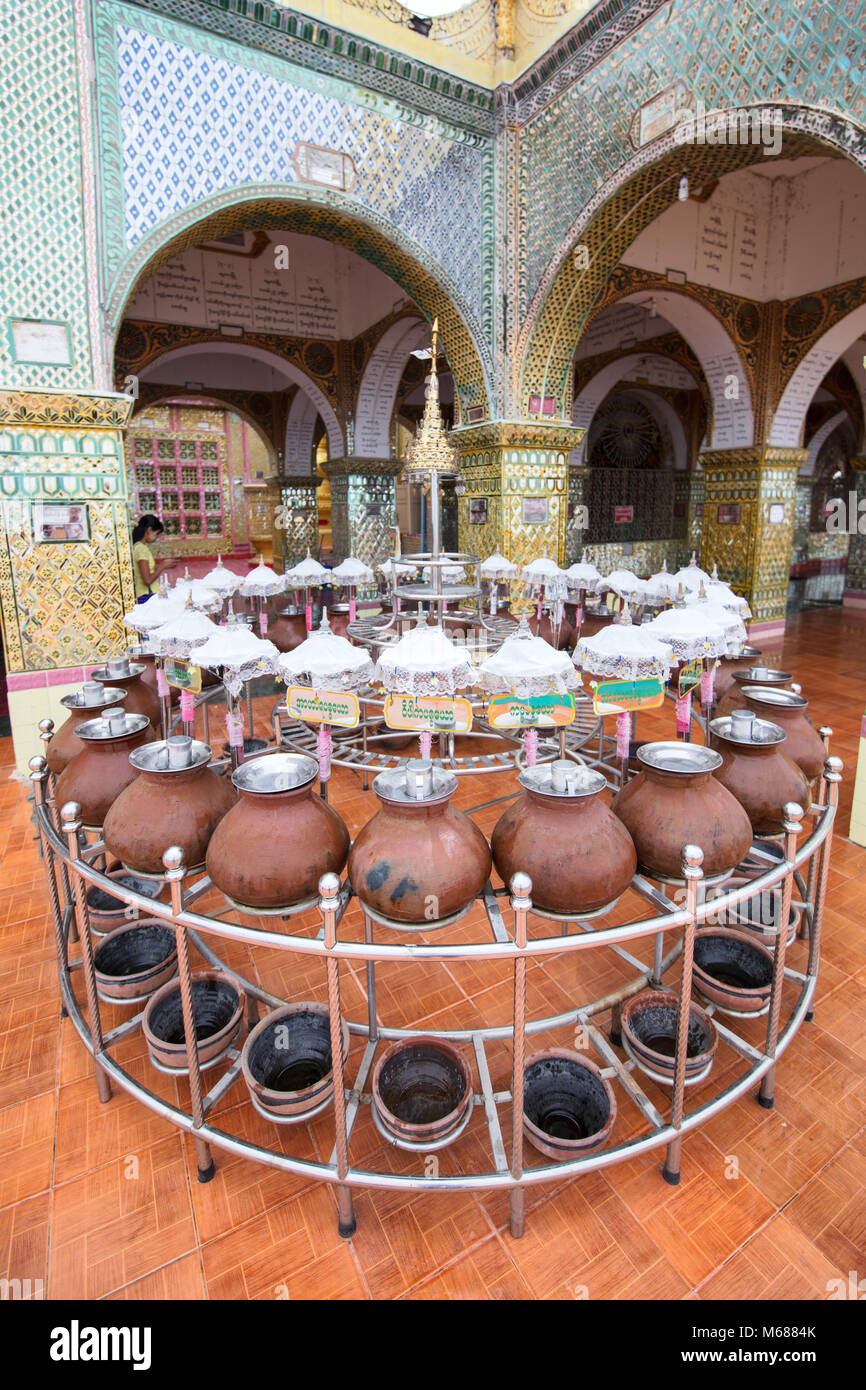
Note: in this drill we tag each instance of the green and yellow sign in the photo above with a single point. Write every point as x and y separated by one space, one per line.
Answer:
625 697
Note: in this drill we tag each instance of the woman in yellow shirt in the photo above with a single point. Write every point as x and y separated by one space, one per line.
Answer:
145 569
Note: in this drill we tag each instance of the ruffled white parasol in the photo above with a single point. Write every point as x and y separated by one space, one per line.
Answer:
624 583
451 574
623 651
583 575
327 662
424 662
181 635
308 573
688 633
352 571
690 576
662 587
240 655
262 582
720 592
527 665
155 612
730 622
497 567
544 574
223 580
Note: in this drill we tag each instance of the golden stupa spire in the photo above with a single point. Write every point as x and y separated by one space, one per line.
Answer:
430 451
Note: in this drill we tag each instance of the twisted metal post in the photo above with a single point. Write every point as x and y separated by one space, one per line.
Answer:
830 780
39 778
329 902
174 875
826 733
46 733
693 858
521 887
70 818
793 824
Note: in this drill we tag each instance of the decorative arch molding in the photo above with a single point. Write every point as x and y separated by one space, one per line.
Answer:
819 439
603 382
789 419
336 218
286 370
643 187
379 384
300 432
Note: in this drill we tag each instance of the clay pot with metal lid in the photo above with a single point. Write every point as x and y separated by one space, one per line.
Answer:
93 698
97 775
218 1010
141 698
177 800
544 629
753 675
569 1108
675 800
287 1063
422 1091
419 860
272 848
338 619
787 708
288 630
756 769
649 1030
727 665
578 854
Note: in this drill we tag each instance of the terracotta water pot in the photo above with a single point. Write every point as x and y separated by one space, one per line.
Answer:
569 1108
288 629
545 630
271 849
338 619
106 913
136 960
787 709
141 698
675 800
92 699
732 970
97 775
757 770
177 800
286 1061
733 697
726 667
422 1090
218 1011
419 859
578 854
649 1023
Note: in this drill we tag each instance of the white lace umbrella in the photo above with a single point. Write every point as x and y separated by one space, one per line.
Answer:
451 574
720 592
624 652
238 654
155 612
527 665
310 575
583 575
496 568
543 574
352 572
262 582
730 622
689 633
327 661
662 587
180 635
201 594
690 576
625 584
223 580
425 662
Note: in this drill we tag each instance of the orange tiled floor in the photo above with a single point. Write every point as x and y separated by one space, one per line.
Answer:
102 1202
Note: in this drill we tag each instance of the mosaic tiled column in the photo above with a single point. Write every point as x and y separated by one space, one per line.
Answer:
574 530
854 595
262 505
799 571
689 497
363 507
748 526
296 520
65 551
516 480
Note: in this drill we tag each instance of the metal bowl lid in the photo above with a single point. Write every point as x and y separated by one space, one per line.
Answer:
275 772
93 695
116 723
770 695
744 726
118 668
763 675
562 778
415 782
176 754
685 758
290 611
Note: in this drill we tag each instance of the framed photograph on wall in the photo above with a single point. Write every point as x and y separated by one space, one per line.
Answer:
477 511
536 511
59 523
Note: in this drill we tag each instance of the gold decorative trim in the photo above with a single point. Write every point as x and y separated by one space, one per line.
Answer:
347 467
71 409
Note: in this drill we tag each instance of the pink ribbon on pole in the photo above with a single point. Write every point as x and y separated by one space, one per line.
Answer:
162 686
684 712
530 746
323 750
578 616
187 706
708 680
263 624
352 608
235 729
538 609
623 735
308 617
425 740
